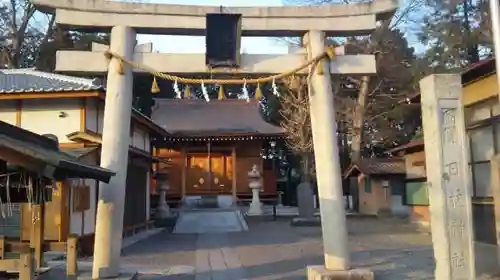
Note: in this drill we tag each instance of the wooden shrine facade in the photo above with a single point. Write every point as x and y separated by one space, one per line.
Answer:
213 146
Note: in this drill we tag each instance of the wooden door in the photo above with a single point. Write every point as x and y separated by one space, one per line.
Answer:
221 174
197 174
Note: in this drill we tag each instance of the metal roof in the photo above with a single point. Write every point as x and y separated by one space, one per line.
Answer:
31 80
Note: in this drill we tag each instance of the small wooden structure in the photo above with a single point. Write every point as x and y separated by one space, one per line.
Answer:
72 108
212 147
415 190
379 184
30 166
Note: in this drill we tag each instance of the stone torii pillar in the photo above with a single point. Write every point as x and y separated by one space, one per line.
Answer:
114 156
326 153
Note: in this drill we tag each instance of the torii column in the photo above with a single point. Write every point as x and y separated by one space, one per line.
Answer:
114 156
326 153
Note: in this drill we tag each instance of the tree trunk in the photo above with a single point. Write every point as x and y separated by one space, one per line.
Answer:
359 119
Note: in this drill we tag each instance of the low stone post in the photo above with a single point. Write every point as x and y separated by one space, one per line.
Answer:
163 211
26 265
255 185
448 176
280 199
72 257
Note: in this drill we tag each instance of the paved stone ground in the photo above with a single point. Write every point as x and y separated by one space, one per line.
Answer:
275 250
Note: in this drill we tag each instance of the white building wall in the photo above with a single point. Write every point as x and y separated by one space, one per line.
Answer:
148 198
46 116
147 142
84 223
75 219
8 112
90 214
100 117
139 138
92 114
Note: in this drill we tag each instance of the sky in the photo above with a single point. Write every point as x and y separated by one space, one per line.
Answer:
192 44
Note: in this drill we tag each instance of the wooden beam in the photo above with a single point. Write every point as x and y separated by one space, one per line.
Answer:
193 64
48 95
83 115
184 172
19 109
37 232
71 145
233 188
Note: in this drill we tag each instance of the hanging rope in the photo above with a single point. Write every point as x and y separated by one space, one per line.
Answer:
329 53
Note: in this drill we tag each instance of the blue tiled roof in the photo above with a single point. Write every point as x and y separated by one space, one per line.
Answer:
30 80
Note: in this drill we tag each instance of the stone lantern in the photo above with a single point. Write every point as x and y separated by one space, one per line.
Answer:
163 211
255 185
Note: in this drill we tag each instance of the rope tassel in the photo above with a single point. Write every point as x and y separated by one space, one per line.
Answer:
154 87
222 95
258 93
187 92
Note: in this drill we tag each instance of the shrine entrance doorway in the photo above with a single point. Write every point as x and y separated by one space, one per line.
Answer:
209 173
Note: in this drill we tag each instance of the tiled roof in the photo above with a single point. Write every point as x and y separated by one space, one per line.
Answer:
376 166
218 117
30 80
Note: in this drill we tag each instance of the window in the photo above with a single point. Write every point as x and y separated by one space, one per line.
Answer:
368 185
481 179
481 143
416 193
484 141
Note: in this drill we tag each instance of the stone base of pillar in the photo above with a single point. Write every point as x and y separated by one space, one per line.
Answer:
306 222
318 272
163 212
123 276
255 209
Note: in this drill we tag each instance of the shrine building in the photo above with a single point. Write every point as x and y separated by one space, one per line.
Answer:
212 146
72 109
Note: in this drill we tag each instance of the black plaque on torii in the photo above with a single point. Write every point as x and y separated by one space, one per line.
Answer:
223 40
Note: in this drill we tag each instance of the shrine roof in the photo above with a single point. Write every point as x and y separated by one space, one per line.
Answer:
31 80
415 145
188 117
377 166
478 71
58 164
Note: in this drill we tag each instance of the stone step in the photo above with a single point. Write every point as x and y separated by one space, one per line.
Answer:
210 221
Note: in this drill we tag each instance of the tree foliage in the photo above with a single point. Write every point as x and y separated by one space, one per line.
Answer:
456 33
372 110
31 39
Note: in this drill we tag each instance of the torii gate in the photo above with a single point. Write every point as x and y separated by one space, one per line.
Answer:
125 20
